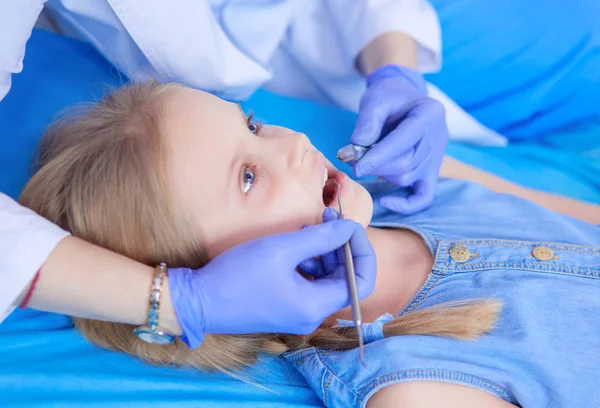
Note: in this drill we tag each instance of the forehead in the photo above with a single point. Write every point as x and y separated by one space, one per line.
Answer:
198 124
201 134
186 107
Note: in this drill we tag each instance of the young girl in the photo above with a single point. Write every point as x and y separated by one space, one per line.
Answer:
443 274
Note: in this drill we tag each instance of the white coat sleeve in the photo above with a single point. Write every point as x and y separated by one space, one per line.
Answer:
17 19
26 240
328 38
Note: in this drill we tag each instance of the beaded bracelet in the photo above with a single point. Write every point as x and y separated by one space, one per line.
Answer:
151 332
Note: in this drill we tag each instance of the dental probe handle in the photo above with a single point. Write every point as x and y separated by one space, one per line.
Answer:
354 300
351 281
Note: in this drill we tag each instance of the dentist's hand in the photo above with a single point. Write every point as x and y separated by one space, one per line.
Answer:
255 288
333 263
412 133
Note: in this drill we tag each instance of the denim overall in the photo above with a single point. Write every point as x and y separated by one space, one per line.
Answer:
544 267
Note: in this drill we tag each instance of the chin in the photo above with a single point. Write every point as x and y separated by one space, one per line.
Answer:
357 202
362 205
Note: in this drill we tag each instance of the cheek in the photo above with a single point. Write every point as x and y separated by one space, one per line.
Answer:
288 213
290 216
294 204
360 207
297 209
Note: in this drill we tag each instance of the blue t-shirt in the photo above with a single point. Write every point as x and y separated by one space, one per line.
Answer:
544 267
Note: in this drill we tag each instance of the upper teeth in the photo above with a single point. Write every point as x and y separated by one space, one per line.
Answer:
325 176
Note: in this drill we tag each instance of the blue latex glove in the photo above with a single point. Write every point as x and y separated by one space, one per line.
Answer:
412 133
255 288
332 263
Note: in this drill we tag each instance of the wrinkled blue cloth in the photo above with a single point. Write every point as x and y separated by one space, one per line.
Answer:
527 69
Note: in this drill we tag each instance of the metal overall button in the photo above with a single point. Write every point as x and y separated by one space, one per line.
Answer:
460 253
543 253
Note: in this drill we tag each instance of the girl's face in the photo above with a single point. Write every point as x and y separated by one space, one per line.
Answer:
241 181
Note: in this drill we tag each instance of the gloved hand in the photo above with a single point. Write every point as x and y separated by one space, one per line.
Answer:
332 263
255 288
412 133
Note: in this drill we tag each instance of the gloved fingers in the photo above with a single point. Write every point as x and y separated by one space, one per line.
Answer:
373 114
359 242
420 199
313 267
310 242
331 259
330 214
370 122
360 245
410 178
365 262
423 152
407 163
363 256
327 296
330 262
364 259
400 165
399 141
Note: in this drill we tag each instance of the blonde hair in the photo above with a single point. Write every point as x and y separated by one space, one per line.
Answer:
101 177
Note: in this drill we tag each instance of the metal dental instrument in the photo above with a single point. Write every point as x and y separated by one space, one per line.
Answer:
351 279
351 152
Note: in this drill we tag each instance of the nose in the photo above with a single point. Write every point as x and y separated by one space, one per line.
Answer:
289 147
299 146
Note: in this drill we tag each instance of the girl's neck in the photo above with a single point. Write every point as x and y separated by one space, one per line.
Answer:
403 264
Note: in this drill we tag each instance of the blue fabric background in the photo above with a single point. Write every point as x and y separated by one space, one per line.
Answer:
524 68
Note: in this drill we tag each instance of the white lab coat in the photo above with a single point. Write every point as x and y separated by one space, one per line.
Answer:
304 48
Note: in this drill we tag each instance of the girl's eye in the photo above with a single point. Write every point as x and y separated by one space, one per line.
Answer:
254 127
248 179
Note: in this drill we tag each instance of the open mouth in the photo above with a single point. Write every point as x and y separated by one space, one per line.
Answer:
331 190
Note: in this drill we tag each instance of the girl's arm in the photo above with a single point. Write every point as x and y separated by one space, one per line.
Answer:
425 394
578 209
83 280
